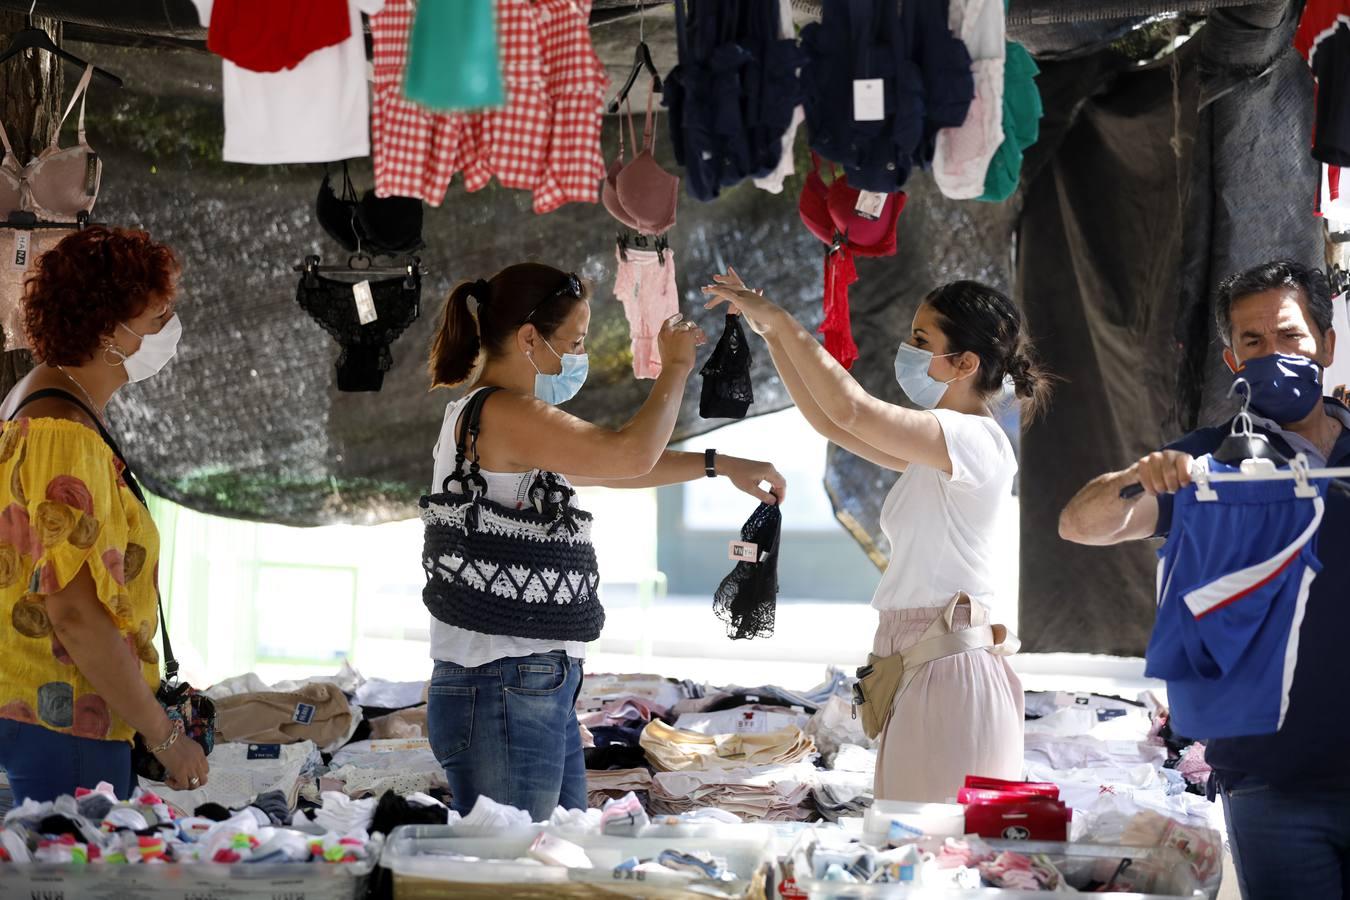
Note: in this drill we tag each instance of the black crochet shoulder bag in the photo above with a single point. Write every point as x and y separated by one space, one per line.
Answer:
528 573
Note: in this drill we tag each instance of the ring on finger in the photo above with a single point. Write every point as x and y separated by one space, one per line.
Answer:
194 782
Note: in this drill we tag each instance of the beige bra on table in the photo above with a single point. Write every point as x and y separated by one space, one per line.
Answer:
58 184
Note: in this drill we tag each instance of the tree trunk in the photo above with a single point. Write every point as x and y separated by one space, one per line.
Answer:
30 94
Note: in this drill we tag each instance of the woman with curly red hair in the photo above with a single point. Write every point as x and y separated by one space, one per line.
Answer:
79 553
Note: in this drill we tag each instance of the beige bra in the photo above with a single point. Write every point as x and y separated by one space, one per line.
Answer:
58 184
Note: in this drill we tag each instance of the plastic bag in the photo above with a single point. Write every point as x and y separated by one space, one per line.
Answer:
748 598
727 389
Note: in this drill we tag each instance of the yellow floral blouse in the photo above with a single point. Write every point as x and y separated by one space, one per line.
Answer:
64 505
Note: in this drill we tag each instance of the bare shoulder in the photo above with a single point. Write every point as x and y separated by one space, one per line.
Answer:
53 407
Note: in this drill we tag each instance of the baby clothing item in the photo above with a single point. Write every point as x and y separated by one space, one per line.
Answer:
963 154
58 184
317 111
264 36
644 282
452 57
365 355
546 139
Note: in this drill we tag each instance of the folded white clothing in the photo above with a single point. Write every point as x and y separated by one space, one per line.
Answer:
342 814
489 815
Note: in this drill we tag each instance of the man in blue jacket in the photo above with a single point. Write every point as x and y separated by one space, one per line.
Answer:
1286 795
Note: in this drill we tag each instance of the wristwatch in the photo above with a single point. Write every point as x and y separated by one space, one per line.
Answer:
710 463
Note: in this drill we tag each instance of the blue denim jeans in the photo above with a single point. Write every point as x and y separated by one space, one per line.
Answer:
1289 843
508 731
43 764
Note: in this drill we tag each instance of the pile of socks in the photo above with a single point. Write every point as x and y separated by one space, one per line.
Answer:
95 827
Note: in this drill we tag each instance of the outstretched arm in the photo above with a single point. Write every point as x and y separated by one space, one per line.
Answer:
903 434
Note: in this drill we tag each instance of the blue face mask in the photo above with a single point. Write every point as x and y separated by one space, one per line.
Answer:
556 389
911 370
1285 389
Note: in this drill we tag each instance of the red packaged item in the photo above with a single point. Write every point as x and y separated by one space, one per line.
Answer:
265 36
1024 819
1038 788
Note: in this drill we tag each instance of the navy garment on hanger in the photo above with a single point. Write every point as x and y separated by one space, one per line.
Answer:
732 95
925 76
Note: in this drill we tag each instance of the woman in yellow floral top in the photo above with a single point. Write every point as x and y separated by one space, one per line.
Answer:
78 552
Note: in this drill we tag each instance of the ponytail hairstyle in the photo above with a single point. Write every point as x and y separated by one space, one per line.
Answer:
482 317
978 319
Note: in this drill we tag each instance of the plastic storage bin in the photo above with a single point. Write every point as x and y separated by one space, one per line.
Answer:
421 859
265 881
1169 874
932 819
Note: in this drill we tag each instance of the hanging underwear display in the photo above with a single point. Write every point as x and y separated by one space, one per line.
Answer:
342 310
59 184
644 281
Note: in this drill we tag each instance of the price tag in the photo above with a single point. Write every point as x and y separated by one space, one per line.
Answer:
22 241
742 551
91 175
264 751
304 714
365 302
870 204
869 100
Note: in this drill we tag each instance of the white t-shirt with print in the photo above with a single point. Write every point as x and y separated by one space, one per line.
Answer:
318 111
942 527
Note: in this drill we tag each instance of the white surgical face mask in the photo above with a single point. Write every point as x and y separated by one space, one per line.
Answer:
155 351
911 371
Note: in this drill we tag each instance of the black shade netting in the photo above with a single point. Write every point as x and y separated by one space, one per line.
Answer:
748 598
728 389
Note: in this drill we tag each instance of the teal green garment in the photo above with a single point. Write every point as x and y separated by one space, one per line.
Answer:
452 56
1021 124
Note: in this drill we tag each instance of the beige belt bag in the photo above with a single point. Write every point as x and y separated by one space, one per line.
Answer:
886 677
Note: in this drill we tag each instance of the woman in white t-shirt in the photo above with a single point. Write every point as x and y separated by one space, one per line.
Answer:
962 714
500 708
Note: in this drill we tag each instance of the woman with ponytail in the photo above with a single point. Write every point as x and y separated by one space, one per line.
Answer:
500 707
957 709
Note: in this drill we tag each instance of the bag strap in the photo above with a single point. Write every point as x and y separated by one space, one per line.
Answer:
466 444
170 663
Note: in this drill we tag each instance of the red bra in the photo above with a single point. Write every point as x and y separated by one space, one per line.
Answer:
830 212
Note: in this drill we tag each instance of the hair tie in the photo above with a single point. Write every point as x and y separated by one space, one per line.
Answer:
479 294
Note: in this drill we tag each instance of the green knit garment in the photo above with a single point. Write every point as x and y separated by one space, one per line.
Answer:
452 56
1021 124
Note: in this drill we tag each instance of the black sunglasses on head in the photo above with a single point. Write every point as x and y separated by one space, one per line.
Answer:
571 287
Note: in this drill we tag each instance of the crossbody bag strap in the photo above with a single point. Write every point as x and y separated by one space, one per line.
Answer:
170 662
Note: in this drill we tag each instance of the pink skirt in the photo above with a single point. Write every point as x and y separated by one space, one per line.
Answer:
961 715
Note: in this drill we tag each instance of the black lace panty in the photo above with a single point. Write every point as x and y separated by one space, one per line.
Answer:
365 353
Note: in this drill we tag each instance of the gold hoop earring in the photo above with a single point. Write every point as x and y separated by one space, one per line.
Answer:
118 357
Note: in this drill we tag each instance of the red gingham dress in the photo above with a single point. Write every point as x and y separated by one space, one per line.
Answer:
545 140
574 165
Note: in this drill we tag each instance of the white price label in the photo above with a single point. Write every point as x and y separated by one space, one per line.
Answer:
742 551
870 204
365 302
869 100
22 246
